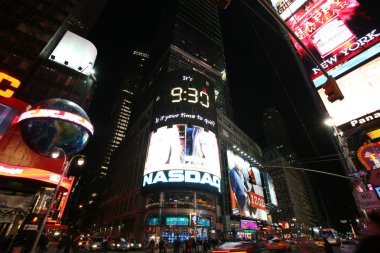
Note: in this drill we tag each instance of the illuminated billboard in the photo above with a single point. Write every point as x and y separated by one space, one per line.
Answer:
342 34
248 224
360 88
75 52
247 195
7 115
272 198
183 149
34 174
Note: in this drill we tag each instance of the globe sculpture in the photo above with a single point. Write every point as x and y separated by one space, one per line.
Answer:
55 123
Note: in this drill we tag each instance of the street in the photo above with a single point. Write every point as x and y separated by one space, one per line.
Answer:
53 249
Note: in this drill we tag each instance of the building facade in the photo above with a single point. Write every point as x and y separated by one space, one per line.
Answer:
31 71
293 195
160 184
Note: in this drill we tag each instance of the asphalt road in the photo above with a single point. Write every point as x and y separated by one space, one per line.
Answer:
306 250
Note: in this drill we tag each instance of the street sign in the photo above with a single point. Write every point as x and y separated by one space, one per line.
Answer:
30 227
368 200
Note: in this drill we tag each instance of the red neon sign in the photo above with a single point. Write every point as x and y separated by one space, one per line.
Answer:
35 174
48 113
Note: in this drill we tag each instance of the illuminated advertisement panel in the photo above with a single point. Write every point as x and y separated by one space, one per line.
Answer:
247 195
183 149
7 115
272 198
34 174
248 224
360 88
342 33
75 52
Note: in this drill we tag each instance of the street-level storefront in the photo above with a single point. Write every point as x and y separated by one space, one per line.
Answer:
180 214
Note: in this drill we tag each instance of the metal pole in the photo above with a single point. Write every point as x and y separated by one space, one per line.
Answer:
63 173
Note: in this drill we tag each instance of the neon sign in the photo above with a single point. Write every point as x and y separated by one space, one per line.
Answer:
7 93
35 174
48 113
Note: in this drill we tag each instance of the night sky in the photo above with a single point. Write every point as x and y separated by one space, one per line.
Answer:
262 72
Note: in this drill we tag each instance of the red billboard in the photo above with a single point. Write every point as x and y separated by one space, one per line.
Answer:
342 34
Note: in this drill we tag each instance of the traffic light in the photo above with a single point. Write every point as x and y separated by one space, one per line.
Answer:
332 90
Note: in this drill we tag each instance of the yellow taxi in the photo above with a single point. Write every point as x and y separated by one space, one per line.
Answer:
319 242
278 244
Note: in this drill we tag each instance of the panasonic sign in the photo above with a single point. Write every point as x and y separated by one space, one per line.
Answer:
182 176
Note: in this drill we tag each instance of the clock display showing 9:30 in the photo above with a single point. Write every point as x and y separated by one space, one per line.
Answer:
190 95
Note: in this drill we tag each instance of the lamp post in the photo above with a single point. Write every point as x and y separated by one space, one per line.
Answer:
64 170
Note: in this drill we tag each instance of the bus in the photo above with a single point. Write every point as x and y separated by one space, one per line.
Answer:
331 235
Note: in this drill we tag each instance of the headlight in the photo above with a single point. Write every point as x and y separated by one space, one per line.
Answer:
139 244
80 243
94 246
118 245
132 244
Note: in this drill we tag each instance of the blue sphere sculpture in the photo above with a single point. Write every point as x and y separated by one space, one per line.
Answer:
55 123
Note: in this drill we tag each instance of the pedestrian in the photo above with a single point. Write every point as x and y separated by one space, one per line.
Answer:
369 241
193 245
151 245
176 245
43 243
328 246
161 246
68 244
205 246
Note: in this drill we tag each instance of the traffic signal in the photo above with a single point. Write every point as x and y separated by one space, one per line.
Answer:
332 90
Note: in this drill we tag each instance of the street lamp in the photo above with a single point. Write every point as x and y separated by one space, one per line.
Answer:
65 167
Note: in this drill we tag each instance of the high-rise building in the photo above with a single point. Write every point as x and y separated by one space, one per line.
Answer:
170 177
294 197
121 112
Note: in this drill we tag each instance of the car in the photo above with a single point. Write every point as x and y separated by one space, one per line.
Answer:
227 247
304 242
278 244
80 242
135 245
348 246
319 243
95 244
118 244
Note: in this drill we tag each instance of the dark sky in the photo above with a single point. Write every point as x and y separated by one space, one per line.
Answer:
259 59
262 72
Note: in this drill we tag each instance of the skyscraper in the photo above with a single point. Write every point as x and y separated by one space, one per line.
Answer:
181 102
294 197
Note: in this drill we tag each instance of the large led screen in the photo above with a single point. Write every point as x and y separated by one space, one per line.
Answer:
183 149
7 115
272 198
248 224
361 91
247 196
342 34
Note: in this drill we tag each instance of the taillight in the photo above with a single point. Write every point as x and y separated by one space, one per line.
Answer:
295 242
267 244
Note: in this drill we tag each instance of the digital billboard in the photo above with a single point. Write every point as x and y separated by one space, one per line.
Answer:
7 115
179 221
360 97
247 195
183 149
75 52
272 198
342 34
248 224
